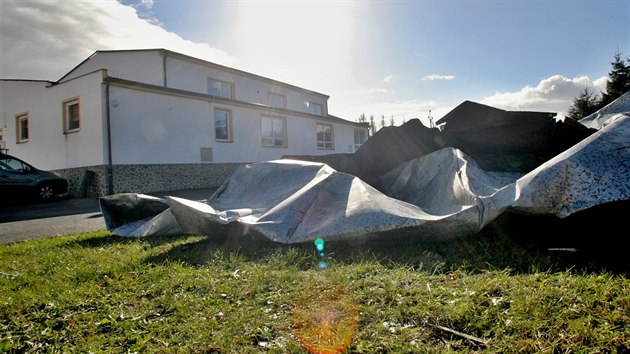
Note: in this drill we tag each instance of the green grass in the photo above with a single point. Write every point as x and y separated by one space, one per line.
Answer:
96 292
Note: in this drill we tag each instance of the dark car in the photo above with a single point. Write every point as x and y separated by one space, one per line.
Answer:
19 180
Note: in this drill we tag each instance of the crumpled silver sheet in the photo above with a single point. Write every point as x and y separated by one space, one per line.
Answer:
606 115
443 194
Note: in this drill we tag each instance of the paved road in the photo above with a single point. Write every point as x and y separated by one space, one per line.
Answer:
20 221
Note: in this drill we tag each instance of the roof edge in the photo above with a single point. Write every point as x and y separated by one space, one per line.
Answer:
190 58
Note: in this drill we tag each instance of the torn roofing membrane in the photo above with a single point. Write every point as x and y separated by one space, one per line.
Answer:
442 194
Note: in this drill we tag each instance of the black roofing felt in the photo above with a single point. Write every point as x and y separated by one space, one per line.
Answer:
498 140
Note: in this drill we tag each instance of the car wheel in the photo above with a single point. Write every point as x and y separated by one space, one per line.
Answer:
45 192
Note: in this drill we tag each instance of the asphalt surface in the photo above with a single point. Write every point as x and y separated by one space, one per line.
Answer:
24 221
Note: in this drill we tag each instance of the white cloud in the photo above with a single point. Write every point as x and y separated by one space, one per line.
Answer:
44 40
146 3
388 79
553 94
369 91
433 77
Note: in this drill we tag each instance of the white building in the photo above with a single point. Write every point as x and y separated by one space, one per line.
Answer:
151 120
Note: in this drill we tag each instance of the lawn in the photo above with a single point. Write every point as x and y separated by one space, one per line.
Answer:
96 292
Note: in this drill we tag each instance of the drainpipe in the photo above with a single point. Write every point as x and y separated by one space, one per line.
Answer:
164 67
110 165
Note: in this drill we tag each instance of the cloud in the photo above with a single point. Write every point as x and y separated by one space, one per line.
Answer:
553 94
146 3
44 40
438 77
389 78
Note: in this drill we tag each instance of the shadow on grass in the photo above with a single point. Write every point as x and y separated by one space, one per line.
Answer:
111 239
585 242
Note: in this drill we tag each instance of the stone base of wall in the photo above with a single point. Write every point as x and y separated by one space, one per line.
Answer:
92 181
85 182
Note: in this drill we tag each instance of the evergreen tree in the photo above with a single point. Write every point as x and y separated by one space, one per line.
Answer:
584 104
362 118
372 125
618 79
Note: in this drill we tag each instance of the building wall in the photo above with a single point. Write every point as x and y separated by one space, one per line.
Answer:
161 128
91 181
141 66
151 66
190 76
48 146
160 140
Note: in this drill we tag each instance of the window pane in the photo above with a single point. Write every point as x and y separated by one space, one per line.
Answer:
214 88
219 88
325 136
313 108
221 125
23 129
226 90
73 116
273 133
15 166
359 136
267 128
276 100
278 128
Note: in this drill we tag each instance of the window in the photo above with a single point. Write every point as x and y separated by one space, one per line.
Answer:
220 88
360 136
277 100
71 116
14 166
274 131
313 108
223 125
325 137
21 128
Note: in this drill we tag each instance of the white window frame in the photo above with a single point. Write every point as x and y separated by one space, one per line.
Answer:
365 134
221 88
278 141
230 136
324 144
66 104
311 107
19 139
272 100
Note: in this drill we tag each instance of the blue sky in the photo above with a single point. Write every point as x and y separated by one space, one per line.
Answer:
392 58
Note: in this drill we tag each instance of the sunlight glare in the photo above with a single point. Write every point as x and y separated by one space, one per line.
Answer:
280 38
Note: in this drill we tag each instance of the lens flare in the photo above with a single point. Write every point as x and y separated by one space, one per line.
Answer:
319 245
325 316
325 319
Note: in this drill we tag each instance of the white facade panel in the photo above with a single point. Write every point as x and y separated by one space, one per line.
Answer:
158 128
140 66
152 128
48 147
190 76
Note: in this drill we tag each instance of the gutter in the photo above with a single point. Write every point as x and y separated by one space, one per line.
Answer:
118 82
163 52
109 180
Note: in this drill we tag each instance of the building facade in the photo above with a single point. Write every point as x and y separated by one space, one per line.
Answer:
156 120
